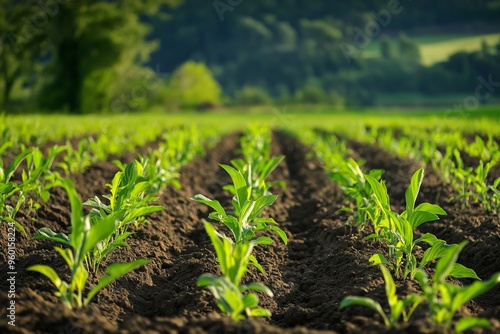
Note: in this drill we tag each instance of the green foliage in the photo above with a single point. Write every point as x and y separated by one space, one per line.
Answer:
83 239
36 181
246 221
38 178
334 154
445 299
93 43
77 160
353 183
471 183
252 96
161 166
397 230
192 85
310 94
399 307
229 294
249 188
9 188
129 202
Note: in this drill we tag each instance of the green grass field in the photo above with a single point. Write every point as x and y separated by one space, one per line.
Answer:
292 117
438 48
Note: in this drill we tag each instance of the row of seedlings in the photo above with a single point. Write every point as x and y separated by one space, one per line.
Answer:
251 195
397 232
444 152
95 236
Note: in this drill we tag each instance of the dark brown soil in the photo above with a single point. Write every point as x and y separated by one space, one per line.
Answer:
324 261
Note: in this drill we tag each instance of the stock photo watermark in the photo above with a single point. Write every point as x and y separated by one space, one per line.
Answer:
372 29
225 6
282 118
11 274
482 93
33 24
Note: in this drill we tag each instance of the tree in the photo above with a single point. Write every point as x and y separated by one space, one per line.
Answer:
90 42
192 86
408 49
24 26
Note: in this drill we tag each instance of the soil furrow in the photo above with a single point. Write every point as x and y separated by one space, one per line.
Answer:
324 261
480 229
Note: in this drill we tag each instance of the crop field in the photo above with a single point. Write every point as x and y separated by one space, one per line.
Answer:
270 222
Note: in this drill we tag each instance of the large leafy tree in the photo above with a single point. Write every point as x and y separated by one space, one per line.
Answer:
24 37
92 42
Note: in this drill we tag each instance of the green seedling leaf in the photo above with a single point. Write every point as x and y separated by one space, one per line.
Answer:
214 204
379 191
437 250
432 208
413 189
46 233
262 202
140 212
113 272
379 259
250 301
206 280
270 166
429 238
281 233
470 292
45 195
259 312
9 171
264 241
471 322
460 271
257 287
417 218
97 233
239 182
49 273
16 224
367 302
446 263
256 264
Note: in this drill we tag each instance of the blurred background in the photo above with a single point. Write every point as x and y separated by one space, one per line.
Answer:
82 56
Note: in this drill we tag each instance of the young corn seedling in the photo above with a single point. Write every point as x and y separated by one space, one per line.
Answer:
129 201
161 166
256 143
399 307
8 189
83 239
397 230
333 153
444 299
128 204
495 199
77 160
255 174
246 221
152 169
257 163
231 296
38 179
353 183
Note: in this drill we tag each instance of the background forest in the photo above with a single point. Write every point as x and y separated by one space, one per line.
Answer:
83 56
